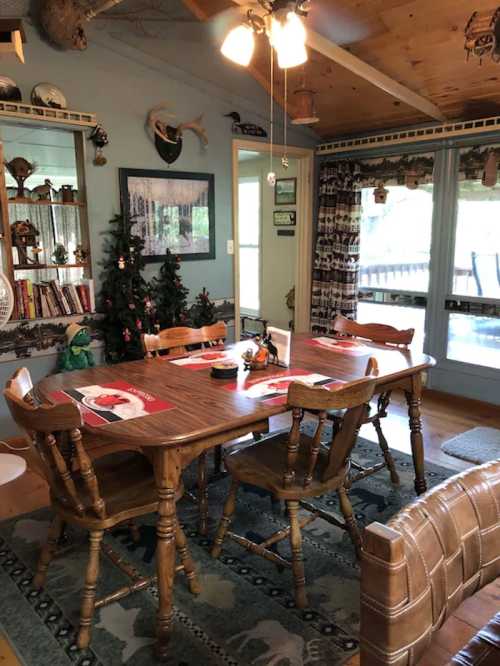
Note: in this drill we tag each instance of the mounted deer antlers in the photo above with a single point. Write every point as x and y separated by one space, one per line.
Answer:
168 139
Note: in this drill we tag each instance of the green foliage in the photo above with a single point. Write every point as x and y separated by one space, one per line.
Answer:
203 310
124 293
169 294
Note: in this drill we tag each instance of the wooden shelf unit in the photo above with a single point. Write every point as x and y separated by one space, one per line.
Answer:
5 235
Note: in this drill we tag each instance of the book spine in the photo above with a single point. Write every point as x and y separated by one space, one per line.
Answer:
91 294
67 295
56 297
66 310
82 290
44 301
76 298
19 300
55 310
26 302
36 301
31 300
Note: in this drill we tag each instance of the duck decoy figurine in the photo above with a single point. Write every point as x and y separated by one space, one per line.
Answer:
249 129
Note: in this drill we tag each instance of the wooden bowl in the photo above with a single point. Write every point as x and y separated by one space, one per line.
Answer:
227 370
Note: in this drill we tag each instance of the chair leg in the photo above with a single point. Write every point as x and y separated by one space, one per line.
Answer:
218 460
227 515
297 556
48 551
389 460
186 560
134 531
89 589
350 522
202 494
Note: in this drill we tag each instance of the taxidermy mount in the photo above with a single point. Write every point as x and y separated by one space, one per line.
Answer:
63 21
167 138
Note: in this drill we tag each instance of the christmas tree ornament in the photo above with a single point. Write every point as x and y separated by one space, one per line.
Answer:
138 324
127 335
121 262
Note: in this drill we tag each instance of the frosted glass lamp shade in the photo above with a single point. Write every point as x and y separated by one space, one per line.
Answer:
239 45
290 42
11 466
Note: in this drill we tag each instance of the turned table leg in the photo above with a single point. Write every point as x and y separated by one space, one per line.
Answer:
414 398
167 474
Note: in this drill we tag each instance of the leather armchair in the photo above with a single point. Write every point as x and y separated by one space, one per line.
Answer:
431 556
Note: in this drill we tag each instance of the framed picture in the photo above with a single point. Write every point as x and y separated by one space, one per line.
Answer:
285 192
172 209
284 218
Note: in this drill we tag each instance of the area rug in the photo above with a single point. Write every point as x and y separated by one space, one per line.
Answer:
245 613
478 445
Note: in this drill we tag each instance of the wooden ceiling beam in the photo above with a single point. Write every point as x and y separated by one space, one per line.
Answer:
365 71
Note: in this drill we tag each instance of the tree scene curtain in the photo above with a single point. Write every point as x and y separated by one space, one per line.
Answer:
336 259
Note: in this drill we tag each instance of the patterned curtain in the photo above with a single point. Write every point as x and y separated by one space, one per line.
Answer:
336 261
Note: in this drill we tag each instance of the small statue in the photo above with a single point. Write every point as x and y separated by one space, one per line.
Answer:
273 351
44 191
258 360
60 256
80 254
77 355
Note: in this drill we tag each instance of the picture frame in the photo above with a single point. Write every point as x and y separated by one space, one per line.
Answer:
285 192
172 209
284 218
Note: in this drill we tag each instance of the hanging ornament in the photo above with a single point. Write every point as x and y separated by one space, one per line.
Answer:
490 173
271 179
380 194
121 262
109 302
127 336
99 138
138 324
131 306
482 35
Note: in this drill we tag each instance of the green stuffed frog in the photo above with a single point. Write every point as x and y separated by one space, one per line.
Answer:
77 355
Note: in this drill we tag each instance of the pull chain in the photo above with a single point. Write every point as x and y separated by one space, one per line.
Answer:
271 176
284 159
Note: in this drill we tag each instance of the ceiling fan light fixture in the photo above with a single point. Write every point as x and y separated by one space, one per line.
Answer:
239 45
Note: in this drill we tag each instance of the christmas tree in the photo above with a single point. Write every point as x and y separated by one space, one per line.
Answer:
203 311
125 297
170 294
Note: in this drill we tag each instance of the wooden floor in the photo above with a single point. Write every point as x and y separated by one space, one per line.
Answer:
443 416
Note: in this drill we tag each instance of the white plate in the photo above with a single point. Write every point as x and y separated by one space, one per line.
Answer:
47 94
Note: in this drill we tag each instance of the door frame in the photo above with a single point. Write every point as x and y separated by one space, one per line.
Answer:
303 229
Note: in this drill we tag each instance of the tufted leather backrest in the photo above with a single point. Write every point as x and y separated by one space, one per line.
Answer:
431 556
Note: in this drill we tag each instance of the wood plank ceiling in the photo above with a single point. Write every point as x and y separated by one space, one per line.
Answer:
419 43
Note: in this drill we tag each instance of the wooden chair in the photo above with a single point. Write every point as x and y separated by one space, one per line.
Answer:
96 495
386 335
295 467
176 341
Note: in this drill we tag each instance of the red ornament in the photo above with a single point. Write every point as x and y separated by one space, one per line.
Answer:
138 324
127 335
131 306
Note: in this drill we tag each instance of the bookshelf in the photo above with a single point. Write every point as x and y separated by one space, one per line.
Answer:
45 290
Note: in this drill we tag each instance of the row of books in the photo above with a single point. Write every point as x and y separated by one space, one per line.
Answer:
51 299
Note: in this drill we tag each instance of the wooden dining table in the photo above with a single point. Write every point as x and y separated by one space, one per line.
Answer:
206 413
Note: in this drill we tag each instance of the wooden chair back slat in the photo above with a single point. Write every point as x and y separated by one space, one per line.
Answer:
176 340
54 431
379 333
353 398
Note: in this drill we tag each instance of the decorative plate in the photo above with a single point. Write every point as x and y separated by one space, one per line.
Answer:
47 94
9 92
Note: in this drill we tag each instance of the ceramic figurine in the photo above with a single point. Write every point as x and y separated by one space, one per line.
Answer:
44 191
258 360
77 355
273 351
380 194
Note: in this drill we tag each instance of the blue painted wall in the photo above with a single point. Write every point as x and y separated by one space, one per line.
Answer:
120 85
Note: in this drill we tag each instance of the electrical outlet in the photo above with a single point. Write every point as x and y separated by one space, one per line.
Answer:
230 247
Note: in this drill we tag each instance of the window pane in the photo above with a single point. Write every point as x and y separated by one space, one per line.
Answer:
477 244
396 239
249 211
397 316
474 340
249 280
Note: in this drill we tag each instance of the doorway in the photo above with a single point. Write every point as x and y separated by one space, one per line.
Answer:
272 240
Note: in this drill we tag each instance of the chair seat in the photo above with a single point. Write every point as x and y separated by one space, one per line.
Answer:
263 464
127 486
